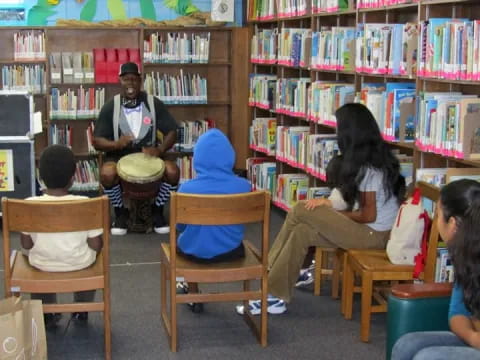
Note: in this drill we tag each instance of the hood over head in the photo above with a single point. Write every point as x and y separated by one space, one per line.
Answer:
213 153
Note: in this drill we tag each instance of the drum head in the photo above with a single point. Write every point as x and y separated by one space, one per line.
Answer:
140 168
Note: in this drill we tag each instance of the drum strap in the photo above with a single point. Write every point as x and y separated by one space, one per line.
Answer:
116 116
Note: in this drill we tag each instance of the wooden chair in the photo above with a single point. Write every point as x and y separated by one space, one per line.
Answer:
333 272
374 265
59 216
216 210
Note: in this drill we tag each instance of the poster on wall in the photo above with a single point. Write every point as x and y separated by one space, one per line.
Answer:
6 171
222 10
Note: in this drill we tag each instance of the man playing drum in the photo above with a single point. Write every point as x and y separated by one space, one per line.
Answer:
135 122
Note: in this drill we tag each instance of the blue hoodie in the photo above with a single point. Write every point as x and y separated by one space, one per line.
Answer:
213 161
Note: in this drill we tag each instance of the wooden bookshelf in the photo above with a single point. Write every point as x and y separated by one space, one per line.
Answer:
225 72
400 13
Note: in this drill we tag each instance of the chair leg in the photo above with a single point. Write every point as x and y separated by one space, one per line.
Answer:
173 315
317 283
107 324
367 288
337 268
347 294
264 314
163 290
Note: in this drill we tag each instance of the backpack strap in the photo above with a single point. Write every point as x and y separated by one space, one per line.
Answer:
421 257
151 106
116 116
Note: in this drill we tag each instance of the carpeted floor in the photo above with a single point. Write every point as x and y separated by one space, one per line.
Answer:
313 327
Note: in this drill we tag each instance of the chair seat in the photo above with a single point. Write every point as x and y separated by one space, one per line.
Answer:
248 267
376 260
32 280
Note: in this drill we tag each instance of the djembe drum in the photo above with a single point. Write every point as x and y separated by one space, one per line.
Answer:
140 176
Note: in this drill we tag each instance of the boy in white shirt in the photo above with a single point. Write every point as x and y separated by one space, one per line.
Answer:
61 252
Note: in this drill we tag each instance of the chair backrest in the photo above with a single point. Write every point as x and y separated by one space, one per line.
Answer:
194 209
55 216
433 193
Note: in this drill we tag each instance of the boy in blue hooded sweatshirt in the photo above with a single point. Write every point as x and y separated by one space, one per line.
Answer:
213 162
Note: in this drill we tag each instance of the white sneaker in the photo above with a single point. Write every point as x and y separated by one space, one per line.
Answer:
161 229
275 306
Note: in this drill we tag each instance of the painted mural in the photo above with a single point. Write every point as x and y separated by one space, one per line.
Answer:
47 12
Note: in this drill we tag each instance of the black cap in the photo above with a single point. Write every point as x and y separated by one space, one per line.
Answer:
129 68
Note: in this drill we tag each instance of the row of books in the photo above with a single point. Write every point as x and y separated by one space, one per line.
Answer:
261 172
386 49
82 103
449 124
291 145
322 6
29 45
290 189
86 176
175 47
324 98
185 164
188 133
107 62
61 134
291 96
24 78
262 135
372 4
321 149
290 8
72 68
89 136
450 49
333 49
262 91
441 176
294 47
269 9
393 105
263 46
177 89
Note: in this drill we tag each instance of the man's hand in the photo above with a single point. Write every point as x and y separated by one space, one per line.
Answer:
313 203
124 141
153 151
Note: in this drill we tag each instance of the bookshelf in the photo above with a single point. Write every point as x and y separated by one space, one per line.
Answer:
348 72
223 69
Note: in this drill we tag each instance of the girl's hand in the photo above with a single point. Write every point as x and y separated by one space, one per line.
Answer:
313 203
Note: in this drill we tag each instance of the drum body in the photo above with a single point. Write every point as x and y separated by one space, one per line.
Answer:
140 175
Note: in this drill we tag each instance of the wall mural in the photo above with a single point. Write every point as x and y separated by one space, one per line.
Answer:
46 12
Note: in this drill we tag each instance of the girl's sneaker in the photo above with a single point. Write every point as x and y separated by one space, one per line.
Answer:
275 306
305 278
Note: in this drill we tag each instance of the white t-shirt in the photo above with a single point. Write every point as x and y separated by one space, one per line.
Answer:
338 202
60 252
134 119
386 210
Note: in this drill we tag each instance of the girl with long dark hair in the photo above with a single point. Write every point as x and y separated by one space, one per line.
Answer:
369 176
458 223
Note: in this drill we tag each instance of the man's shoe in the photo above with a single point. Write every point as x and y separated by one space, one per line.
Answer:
80 317
120 224
160 225
275 306
182 288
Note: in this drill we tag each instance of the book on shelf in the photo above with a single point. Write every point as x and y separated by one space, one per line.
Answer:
177 47
55 68
261 172
441 176
262 91
291 188
261 9
449 124
330 6
333 49
82 103
188 133
24 78
262 135
444 271
29 45
177 89
291 96
321 148
86 177
318 192
324 98
294 47
264 46
67 67
185 164
291 145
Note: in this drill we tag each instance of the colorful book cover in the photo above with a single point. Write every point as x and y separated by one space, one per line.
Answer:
6 171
